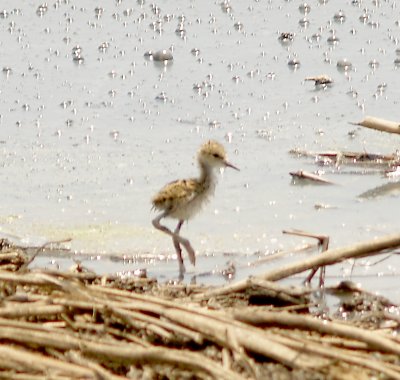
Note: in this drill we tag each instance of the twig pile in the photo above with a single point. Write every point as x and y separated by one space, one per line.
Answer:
80 325
11 259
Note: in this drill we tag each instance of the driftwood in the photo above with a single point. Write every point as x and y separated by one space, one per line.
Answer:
320 80
388 189
323 244
354 156
373 161
333 256
66 325
303 175
17 258
73 329
379 124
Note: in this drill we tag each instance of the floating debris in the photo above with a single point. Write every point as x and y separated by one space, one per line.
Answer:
388 189
339 17
303 175
180 30
305 8
253 73
372 161
236 78
214 124
7 70
66 103
195 51
344 64
197 87
98 12
373 24
77 54
155 9
162 56
271 76
323 206
238 25
374 64
114 134
294 63
162 97
352 134
128 12
353 156
103 47
42 9
304 22
112 74
379 124
320 80
148 54
157 26
286 37
316 37
333 39
168 17
226 6
364 18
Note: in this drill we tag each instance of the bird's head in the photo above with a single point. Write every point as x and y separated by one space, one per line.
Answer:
213 154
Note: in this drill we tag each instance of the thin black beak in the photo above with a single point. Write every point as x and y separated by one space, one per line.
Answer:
229 165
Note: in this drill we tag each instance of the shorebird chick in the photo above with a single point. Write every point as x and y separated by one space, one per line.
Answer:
182 199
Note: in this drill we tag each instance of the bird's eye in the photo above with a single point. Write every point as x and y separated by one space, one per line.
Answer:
216 155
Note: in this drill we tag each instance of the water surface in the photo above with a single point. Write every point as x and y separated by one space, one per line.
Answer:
90 128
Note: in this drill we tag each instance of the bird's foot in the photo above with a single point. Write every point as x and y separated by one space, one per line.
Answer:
178 241
191 254
182 268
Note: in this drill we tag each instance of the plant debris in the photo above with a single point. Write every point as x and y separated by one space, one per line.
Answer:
77 324
316 178
382 125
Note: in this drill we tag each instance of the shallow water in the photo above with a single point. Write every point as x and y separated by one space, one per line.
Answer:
85 143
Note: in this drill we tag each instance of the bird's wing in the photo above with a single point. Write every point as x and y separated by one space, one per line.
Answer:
174 194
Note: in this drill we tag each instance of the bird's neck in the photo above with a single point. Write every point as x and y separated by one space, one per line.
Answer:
207 176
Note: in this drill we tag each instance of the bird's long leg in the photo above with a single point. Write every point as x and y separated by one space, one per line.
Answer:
190 251
177 246
175 236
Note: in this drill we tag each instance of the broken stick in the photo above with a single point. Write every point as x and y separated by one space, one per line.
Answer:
330 257
301 174
379 124
334 256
